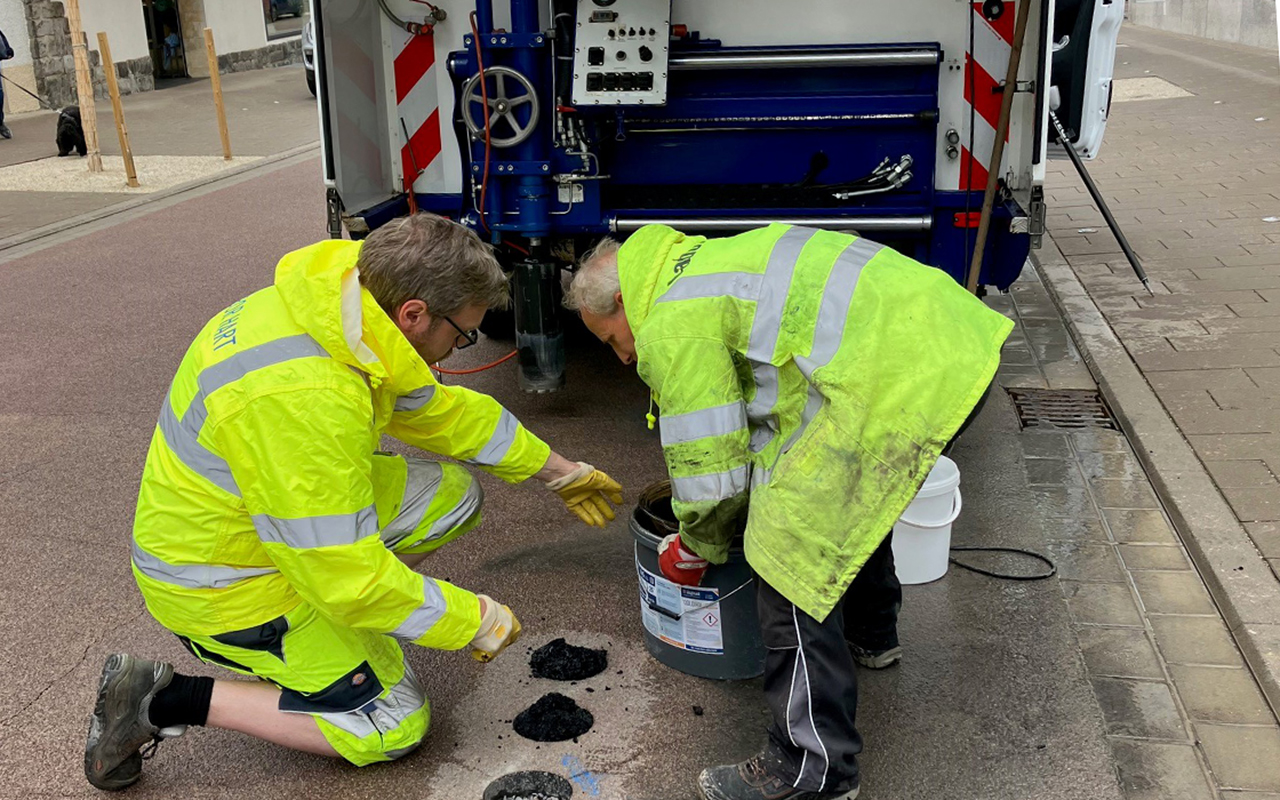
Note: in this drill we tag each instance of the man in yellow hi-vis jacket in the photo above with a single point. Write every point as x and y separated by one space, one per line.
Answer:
808 380
274 538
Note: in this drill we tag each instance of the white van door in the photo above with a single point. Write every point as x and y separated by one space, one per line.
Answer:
1084 57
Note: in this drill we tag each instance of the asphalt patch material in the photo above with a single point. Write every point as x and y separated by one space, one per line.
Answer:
554 718
558 660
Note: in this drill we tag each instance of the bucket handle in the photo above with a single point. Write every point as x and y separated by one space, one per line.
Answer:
956 504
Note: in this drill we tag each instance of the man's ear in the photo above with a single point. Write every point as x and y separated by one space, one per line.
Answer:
411 314
617 298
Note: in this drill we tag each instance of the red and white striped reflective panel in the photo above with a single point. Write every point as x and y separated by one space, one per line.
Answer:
984 68
417 105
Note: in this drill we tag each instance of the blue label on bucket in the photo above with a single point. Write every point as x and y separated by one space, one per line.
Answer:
681 616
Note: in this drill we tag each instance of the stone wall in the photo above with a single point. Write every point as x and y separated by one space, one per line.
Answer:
278 54
1251 22
136 75
51 58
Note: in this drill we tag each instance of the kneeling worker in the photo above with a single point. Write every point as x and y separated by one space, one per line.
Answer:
810 380
275 539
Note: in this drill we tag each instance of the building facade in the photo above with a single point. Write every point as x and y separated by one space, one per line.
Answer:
150 40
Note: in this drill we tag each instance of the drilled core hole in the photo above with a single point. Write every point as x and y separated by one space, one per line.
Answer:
529 786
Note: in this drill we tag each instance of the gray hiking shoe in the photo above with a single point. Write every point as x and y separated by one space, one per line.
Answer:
5 133
120 724
758 778
876 659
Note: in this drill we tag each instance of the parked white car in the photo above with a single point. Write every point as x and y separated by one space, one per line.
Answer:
309 53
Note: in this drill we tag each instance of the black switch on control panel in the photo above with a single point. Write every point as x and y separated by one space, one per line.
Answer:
595 56
621 55
645 54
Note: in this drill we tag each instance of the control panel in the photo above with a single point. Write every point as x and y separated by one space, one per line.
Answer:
620 52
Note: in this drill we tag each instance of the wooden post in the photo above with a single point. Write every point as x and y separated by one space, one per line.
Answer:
117 110
216 78
84 86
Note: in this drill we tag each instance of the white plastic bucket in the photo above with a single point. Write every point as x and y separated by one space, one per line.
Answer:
922 535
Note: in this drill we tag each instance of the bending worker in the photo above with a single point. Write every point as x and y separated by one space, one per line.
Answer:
275 540
809 380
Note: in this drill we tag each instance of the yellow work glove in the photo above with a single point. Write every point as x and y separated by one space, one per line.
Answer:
586 492
498 628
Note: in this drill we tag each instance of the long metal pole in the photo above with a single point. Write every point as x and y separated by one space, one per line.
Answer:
1102 204
997 150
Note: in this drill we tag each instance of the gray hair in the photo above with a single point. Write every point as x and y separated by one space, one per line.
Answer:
432 259
596 283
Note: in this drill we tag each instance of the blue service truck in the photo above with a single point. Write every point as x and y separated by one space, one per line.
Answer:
543 125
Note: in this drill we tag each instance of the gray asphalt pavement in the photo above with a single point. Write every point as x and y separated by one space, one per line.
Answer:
991 700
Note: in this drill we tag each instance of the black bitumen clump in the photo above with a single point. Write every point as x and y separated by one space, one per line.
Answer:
554 718
559 661
529 786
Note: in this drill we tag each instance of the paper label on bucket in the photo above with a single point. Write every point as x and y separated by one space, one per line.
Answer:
687 617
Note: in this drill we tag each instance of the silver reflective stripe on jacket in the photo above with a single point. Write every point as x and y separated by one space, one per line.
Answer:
183 435
416 399
422 618
712 487
694 425
194 576
320 531
828 331
739 285
765 329
504 435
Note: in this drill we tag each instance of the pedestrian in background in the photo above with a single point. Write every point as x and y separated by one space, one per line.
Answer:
6 53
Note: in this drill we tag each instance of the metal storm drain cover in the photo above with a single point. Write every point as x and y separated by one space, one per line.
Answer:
529 786
1062 408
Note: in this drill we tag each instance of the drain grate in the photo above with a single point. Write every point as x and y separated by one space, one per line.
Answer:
1072 409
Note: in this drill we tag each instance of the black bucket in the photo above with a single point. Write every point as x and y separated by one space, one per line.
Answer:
711 630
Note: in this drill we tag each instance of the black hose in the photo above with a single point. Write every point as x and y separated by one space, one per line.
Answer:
562 23
1039 576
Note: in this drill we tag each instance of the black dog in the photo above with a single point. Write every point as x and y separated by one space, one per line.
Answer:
70 132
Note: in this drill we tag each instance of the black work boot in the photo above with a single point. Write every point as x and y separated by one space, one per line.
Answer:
876 658
758 778
120 724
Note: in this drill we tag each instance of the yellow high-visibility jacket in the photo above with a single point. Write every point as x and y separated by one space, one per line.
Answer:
258 491
807 377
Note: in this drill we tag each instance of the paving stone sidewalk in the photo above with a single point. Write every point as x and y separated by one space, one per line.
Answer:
1184 717
173 132
1194 180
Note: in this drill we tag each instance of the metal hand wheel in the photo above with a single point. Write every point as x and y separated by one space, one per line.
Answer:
505 126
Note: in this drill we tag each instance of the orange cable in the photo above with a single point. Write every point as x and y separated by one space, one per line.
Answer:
490 365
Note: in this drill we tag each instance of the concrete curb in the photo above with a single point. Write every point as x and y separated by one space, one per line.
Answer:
55 228
1237 576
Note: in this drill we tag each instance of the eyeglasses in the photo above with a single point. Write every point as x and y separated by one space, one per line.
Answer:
465 338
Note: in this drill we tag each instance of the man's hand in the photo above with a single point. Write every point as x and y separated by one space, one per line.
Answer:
498 628
679 565
587 491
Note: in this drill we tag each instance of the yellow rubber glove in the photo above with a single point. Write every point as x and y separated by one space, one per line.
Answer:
587 492
498 629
